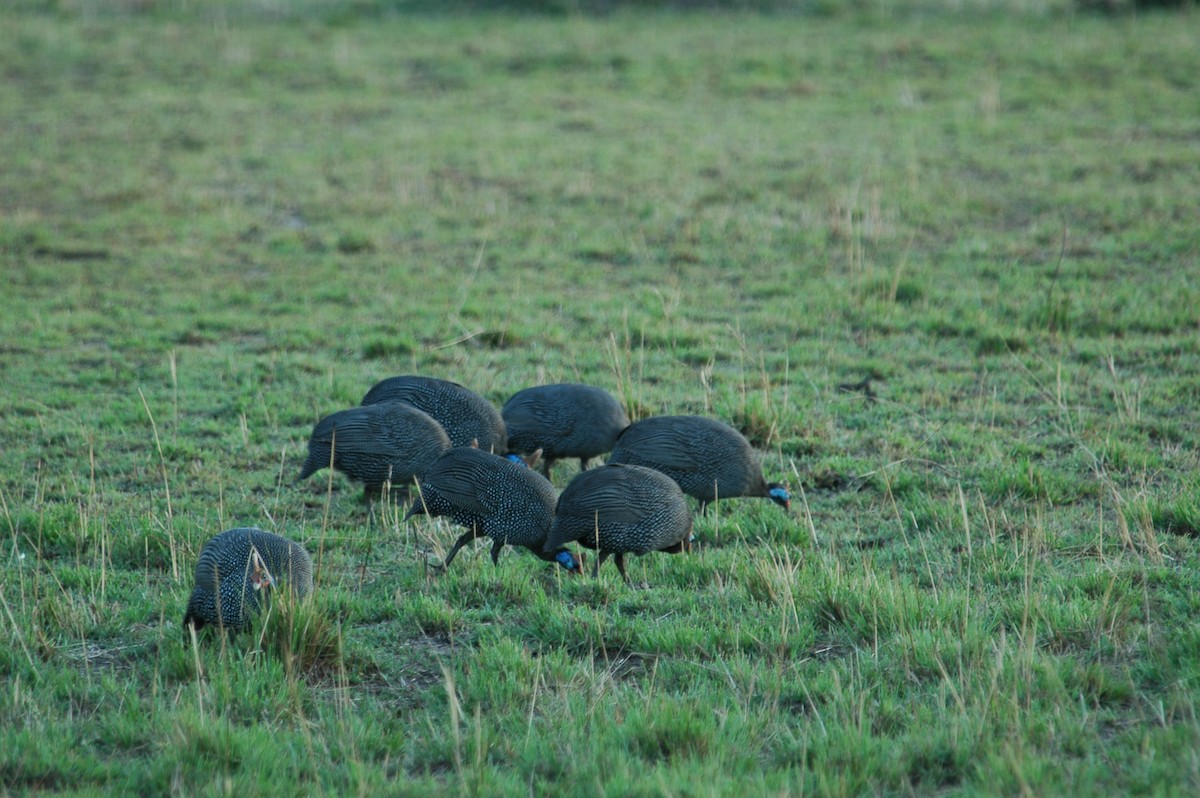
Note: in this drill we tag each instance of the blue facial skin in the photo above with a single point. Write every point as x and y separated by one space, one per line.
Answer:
566 560
516 458
781 497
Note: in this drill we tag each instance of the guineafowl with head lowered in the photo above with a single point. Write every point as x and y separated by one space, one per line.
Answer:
495 497
563 420
237 570
619 510
709 459
465 415
386 442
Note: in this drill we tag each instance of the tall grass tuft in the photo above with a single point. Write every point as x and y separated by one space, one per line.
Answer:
299 634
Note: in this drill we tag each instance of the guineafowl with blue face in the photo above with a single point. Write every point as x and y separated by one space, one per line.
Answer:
386 442
708 458
236 573
619 510
495 497
465 415
563 420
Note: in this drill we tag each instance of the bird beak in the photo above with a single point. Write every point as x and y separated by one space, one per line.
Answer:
260 576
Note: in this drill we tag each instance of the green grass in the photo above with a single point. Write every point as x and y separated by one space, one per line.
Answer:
218 225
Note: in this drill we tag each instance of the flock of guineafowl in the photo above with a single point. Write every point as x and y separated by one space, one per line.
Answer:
474 465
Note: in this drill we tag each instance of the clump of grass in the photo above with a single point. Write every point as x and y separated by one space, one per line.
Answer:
500 339
351 243
896 290
1126 394
757 412
1053 312
997 343
1178 517
758 420
384 347
1027 480
299 634
669 731
1127 6
433 616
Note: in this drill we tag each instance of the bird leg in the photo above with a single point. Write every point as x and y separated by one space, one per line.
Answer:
599 561
466 538
619 559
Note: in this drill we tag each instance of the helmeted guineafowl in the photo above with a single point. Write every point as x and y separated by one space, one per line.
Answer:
708 458
619 510
493 496
465 415
236 571
563 420
390 441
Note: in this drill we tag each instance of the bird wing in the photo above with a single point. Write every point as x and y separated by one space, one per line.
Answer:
361 433
462 489
538 414
668 445
610 499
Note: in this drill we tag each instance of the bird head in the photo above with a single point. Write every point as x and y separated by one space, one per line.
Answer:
260 575
569 560
527 460
778 493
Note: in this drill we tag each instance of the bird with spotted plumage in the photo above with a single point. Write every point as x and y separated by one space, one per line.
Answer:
386 442
621 509
563 420
707 458
236 572
465 415
492 497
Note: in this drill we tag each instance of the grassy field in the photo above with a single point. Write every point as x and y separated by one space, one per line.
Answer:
218 224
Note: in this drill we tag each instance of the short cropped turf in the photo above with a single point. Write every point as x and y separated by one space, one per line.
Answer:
940 263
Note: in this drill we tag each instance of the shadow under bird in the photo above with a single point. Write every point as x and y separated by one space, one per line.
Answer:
619 510
236 572
563 420
706 457
495 497
386 442
464 414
